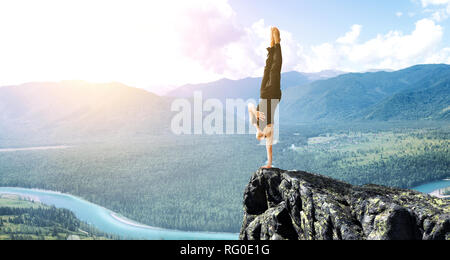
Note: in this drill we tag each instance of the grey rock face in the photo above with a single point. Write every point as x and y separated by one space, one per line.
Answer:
281 205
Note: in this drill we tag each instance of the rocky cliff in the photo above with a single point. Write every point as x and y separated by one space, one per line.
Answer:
298 205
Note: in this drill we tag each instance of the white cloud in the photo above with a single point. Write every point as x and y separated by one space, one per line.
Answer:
352 36
426 3
393 50
205 32
399 14
442 56
245 54
440 9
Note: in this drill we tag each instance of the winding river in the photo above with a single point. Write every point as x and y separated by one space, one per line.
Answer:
110 222
433 186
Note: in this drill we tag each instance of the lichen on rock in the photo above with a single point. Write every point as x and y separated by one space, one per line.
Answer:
280 205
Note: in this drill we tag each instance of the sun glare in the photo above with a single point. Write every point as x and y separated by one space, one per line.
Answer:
135 42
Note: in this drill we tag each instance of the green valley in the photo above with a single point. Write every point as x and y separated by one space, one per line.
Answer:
196 182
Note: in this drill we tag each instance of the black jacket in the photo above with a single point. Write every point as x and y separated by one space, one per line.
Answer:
271 82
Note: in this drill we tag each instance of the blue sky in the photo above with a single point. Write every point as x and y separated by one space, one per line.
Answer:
318 21
158 45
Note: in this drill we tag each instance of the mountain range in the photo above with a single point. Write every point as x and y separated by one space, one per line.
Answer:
418 92
249 87
78 109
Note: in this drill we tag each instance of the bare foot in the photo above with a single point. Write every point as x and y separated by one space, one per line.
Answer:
267 167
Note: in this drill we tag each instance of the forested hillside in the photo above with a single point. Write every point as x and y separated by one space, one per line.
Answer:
25 220
430 103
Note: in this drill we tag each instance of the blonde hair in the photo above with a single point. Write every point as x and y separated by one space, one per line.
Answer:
275 36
